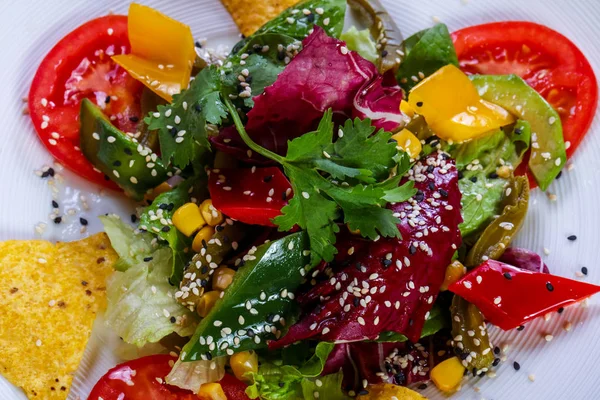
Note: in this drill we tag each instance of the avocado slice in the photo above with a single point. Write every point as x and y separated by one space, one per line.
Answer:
548 152
133 166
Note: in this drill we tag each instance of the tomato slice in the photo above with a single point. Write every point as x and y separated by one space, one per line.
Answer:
79 66
547 60
143 379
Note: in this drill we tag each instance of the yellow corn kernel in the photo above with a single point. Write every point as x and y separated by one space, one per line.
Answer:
202 237
245 361
222 278
207 302
211 215
211 391
448 374
409 142
504 171
407 109
188 219
454 272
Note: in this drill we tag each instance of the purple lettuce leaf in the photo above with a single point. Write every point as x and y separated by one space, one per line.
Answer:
524 259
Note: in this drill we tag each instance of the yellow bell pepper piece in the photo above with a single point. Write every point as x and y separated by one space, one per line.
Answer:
243 362
388 391
407 109
211 391
409 142
187 219
453 108
448 374
162 51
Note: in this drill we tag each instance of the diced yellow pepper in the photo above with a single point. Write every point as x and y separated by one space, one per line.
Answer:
202 237
207 302
211 215
448 374
386 391
211 391
407 109
222 278
454 272
188 219
243 362
453 108
162 51
409 142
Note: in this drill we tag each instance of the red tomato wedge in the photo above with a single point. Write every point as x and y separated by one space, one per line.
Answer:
79 66
548 61
143 379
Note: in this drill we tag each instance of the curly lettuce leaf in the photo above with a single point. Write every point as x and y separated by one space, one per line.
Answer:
361 42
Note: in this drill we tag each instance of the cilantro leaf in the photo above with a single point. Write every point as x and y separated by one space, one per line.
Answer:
181 125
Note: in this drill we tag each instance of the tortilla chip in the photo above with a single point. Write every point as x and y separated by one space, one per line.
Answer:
49 297
249 15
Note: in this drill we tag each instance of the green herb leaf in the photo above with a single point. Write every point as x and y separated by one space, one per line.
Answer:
426 52
181 125
258 305
153 220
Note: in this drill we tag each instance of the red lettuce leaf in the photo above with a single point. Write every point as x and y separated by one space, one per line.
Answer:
325 74
390 284
524 259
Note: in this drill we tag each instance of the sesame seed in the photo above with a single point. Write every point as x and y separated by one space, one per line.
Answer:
548 337
326 21
38 343
497 300
572 238
549 287
305 195
111 139
319 10
96 136
516 366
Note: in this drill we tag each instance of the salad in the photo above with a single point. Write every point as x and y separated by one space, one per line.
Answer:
325 211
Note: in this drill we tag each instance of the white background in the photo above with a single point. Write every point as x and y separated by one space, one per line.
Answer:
565 368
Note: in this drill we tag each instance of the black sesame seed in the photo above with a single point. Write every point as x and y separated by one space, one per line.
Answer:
83 221
422 386
560 310
473 179
516 366
386 263
549 286
166 228
495 362
117 163
173 320
267 178
127 151
356 302
518 131
481 374
281 384
419 104
106 178
242 36
270 318
249 80
204 244
54 204
147 259
133 218
283 195
208 355
173 131
474 372
197 107
219 228
170 207
281 55
520 328
507 275
400 378
384 53
443 192
163 206
460 175
204 270
134 119
559 175
198 45
310 18
57 220
584 270
419 196
572 238
250 333
412 249
493 175
107 99
203 283
363 392
431 186
496 350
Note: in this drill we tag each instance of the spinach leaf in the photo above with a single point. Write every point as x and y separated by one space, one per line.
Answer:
481 202
426 52
156 219
257 306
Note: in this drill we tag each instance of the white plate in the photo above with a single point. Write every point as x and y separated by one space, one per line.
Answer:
565 368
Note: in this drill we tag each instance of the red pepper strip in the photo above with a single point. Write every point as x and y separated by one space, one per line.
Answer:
234 388
509 296
252 196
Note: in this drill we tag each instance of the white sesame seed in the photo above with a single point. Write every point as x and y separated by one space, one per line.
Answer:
133 180
38 343
325 331
110 31
497 300
96 136
344 50
548 338
305 195
111 139
290 20
319 10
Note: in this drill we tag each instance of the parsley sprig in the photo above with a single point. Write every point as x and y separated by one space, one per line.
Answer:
350 179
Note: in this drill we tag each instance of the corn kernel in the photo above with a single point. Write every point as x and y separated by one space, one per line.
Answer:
407 109
211 391
202 237
409 142
188 219
504 171
222 278
207 302
454 272
243 362
448 374
211 215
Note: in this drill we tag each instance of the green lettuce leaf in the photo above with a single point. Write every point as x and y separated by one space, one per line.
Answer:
141 306
361 42
131 247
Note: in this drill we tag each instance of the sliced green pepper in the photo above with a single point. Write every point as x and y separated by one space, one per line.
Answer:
470 337
548 153
134 167
500 232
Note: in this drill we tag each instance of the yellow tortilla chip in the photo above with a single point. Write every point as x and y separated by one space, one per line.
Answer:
249 15
49 297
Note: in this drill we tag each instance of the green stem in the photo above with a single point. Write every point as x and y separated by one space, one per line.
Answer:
244 135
